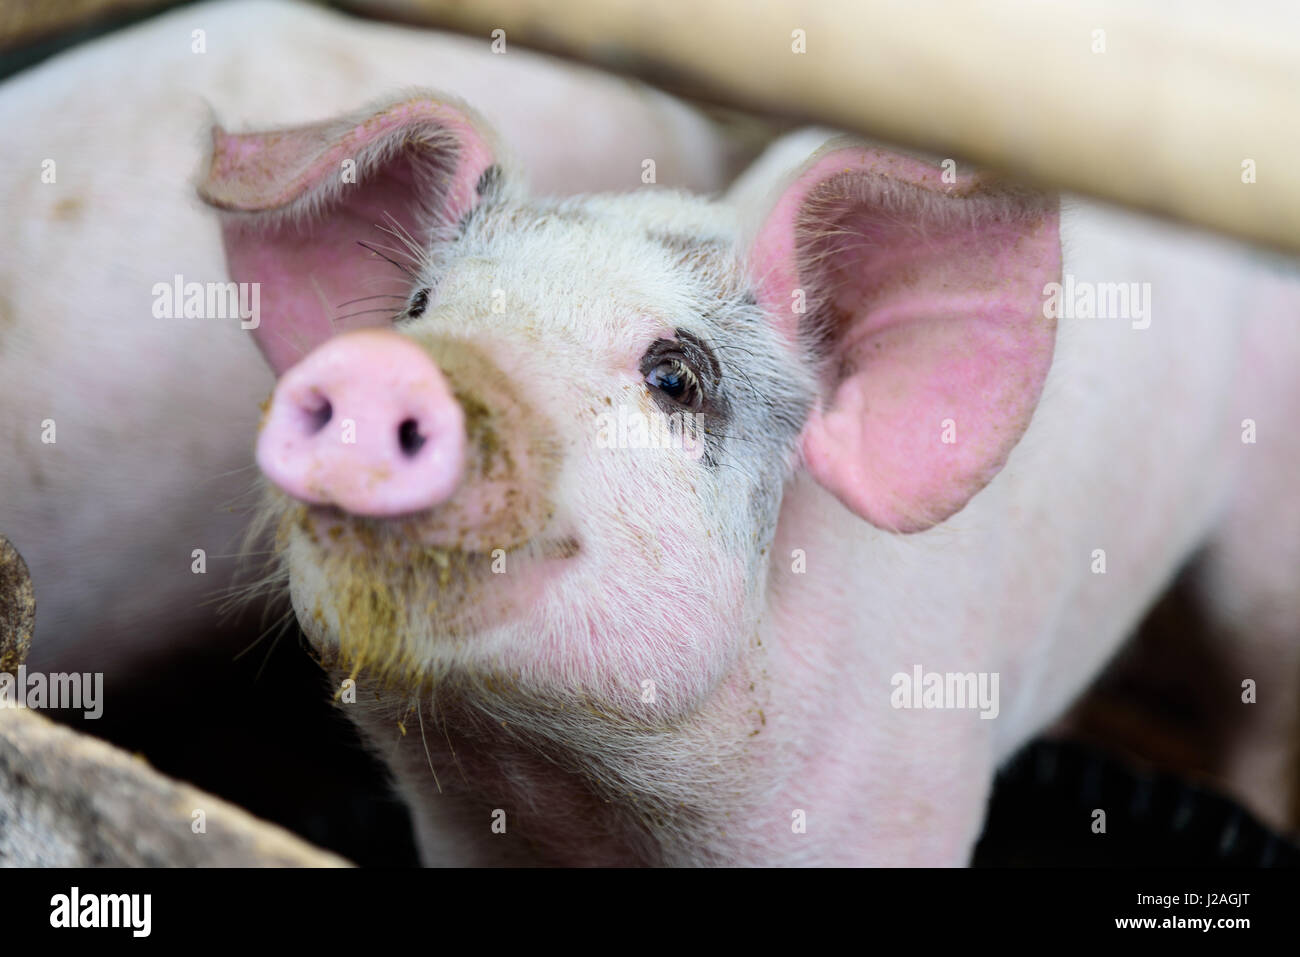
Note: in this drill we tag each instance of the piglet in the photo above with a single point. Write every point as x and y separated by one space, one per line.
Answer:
125 464
647 528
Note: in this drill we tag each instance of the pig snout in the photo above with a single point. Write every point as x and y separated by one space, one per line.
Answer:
367 422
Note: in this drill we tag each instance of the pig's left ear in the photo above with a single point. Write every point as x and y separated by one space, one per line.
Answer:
298 201
922 302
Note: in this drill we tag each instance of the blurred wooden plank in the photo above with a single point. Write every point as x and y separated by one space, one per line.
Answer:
71 800
29 21
17 608
1158 111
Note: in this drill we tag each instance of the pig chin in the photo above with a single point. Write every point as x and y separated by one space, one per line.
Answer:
389 599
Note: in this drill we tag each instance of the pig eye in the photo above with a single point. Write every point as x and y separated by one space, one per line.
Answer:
682 373
419 302
673 378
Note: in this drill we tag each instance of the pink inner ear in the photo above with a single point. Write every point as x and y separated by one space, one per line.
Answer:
310 279
297 224
930 297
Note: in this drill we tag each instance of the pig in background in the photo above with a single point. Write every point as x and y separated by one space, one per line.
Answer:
152 417
574 653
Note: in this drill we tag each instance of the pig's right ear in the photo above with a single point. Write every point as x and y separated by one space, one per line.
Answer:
298 201
920 297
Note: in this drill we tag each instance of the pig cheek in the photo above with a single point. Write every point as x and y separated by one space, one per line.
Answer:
650 652
675 600
486 516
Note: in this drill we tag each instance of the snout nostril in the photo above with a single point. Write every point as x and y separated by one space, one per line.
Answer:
409 438
319 417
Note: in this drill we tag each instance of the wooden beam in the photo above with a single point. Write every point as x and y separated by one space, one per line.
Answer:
1166 107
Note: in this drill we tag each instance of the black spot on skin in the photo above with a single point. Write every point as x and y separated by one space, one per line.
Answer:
489 180
749 299
418 304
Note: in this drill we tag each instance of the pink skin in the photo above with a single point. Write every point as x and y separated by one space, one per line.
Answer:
268 183
937 291
381 383
303 274
946 323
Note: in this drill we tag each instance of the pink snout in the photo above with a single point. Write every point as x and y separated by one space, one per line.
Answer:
367 422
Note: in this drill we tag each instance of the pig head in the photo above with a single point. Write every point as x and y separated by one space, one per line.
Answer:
539 467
